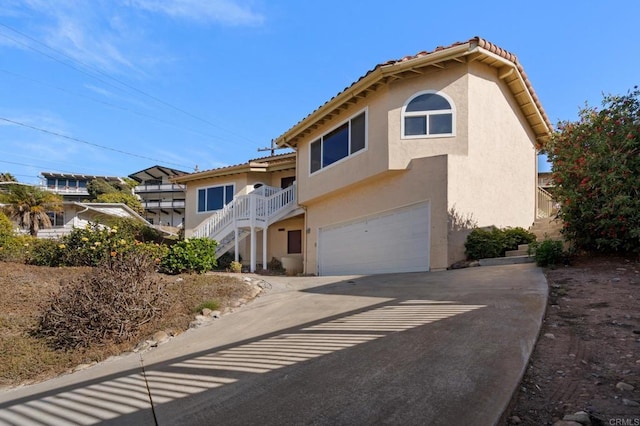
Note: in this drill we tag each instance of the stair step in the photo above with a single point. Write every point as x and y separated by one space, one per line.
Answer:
512 253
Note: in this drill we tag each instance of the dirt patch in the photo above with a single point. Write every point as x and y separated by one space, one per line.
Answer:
25 288
589 344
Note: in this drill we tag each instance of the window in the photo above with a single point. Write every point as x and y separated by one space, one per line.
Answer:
214 197
343 141
428 114
56 218
294 242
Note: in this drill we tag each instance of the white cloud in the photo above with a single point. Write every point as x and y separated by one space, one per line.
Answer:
223 11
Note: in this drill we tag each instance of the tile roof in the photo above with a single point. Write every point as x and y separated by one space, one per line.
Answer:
267 161
471 44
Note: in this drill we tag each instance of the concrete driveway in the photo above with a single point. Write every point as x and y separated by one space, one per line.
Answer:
436 348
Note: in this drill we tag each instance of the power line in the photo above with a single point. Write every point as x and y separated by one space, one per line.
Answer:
167 104
71 138
112 105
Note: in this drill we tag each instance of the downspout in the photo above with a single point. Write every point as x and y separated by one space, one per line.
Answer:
86 208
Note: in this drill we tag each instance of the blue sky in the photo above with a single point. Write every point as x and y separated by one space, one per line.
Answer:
182 83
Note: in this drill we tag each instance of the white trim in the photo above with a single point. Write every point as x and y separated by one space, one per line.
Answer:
426 114
223 185
349 155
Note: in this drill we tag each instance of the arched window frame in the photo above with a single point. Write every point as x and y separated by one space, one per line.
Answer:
426 114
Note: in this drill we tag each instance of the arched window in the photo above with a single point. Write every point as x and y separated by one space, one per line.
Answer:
428 114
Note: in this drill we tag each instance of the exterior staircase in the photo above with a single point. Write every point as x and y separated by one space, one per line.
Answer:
543 228
258 209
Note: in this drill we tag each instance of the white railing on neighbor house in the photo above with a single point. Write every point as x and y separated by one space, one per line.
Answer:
171 204
258 208
546 204
161 187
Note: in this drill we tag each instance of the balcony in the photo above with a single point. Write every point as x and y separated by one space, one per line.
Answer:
65 190
170 204
163 187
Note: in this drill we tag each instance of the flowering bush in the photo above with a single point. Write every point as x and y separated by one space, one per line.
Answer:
190 255
596 169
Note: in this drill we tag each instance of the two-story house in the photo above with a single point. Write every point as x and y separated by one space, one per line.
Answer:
392 171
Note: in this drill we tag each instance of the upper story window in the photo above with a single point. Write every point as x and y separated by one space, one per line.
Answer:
214 197
428 114
341 142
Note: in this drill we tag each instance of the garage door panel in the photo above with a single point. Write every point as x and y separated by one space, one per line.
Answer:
396 241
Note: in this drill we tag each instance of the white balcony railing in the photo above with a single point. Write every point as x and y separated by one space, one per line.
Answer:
252 209
172 204
163 187
72 190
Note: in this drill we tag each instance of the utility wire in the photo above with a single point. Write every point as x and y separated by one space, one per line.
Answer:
40 167
71 138
109 104
108 76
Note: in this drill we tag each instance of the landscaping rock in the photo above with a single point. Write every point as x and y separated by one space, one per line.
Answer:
581 417
567 423
550 336
630 403
215 314
624 386
141 346
515 420
206 312
161 337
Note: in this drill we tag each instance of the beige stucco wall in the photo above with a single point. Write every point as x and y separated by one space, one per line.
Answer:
422 181
495 183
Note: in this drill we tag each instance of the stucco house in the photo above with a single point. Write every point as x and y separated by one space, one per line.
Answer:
390 173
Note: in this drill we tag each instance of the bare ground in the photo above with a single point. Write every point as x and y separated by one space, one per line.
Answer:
589 344
24 289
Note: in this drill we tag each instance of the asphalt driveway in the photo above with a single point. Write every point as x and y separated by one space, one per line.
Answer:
425 348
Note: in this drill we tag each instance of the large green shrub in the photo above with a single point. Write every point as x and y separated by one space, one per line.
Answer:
190 255
6 229
493 242
596 169
513 237
45 252
548 252
484 243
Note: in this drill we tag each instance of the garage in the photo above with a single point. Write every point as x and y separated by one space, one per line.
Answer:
392 241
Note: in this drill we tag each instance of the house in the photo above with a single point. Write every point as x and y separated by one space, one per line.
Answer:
77 215
72 187
392 172
250 209
162 200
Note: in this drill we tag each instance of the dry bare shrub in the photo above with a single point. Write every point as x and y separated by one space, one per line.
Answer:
108 305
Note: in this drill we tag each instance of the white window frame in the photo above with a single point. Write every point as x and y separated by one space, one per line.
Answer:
321 139
428 113
223 185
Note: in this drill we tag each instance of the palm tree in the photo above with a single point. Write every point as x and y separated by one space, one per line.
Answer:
7 177
28 205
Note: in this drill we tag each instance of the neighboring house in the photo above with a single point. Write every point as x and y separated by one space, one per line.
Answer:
392 172
235 205
163 201
72 187
78 215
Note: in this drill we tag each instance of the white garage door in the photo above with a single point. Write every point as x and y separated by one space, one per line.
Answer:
394 241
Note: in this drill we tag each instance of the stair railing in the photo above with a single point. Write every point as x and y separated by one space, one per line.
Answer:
260 206
545 203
